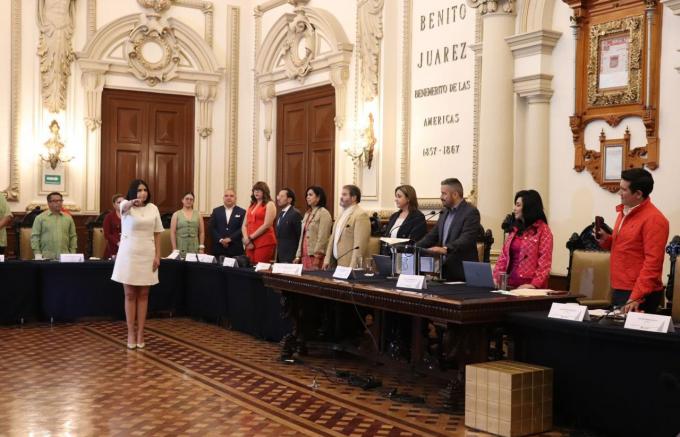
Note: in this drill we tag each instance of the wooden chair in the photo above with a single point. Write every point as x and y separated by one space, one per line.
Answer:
484 242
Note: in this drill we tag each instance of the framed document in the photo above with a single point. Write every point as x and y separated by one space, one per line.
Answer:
614 53
613 162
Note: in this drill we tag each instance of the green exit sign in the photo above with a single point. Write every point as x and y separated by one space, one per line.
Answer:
52 179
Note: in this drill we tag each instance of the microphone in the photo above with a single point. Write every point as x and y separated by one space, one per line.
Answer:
618 307
508 222
347 252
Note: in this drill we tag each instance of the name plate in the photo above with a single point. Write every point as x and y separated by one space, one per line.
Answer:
287 269
205 258
649 322
71 258
2 258
191 257
262 267
414 282
173 255
342 272
229 262
567 311
38 257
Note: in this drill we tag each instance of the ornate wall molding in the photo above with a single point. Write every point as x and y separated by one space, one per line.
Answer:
536 88
257 15
539 42
56 23
152 50
91 18
370 29
157 5
12 190
491 6
335 61
93 82
205 97
301 36
233 46
208 11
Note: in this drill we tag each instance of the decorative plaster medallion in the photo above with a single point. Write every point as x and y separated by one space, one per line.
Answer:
491 6
299 46
152 51
156 5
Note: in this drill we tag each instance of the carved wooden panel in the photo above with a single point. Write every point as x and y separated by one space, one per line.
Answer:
148 136
306 142
636 26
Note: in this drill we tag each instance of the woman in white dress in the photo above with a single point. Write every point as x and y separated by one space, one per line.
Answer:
138 257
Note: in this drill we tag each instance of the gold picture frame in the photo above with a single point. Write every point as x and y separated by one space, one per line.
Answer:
624 38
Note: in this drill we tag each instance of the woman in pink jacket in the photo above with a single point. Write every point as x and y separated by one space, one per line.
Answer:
527 253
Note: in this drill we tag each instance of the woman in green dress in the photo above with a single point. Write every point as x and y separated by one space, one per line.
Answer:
187 233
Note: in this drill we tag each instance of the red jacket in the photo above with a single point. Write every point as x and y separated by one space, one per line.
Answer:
637 250
535 255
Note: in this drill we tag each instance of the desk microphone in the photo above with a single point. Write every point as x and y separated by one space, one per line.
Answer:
347 252
618 307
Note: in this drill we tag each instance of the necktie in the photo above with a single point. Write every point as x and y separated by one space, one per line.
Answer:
281 214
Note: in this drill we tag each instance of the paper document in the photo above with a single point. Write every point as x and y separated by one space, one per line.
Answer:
393 241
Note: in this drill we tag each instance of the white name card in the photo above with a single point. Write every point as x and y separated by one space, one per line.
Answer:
2 258
262 267
287 269
569 311
71 258
173 255
38 257
342 272
415 282
649 322
229 262
205 258
191 257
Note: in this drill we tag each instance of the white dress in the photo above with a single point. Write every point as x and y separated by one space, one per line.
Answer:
134 262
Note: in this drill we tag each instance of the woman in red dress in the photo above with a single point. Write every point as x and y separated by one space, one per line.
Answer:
111 227
258 227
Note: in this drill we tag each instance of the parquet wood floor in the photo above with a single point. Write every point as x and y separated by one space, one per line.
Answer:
198 379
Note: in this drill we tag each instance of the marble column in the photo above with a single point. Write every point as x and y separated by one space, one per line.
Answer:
496 114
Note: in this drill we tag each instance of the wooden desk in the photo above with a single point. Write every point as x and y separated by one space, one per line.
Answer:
467 314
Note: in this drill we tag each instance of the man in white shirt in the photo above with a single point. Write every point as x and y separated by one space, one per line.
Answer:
225 226
351 232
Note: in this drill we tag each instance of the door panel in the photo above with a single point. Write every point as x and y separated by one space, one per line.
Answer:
305 142
151 137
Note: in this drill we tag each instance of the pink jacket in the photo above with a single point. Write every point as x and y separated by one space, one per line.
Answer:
535 255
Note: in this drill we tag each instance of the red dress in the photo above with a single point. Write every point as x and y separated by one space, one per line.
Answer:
111 234
265 244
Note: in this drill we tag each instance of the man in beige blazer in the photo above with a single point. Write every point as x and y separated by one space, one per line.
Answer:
351 232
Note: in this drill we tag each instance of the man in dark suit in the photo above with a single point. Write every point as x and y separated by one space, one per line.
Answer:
225 225
288 226
455 236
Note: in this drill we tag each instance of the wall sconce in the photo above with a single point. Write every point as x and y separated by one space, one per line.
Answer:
361 151
54 148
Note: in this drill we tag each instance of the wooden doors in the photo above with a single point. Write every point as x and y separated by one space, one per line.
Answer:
305 142
147 136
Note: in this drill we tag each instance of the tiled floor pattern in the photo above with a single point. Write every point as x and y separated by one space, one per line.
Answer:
198 379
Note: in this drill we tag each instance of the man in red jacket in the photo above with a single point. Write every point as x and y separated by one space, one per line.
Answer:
637 245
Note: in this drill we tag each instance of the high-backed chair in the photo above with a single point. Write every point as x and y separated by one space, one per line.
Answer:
590 277
673 286
588 271
374 246
96 243
166 245
23 231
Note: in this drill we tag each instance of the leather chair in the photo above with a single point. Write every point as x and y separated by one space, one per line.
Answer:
676 299
589 276
374 246
96 243
166 245
23 230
